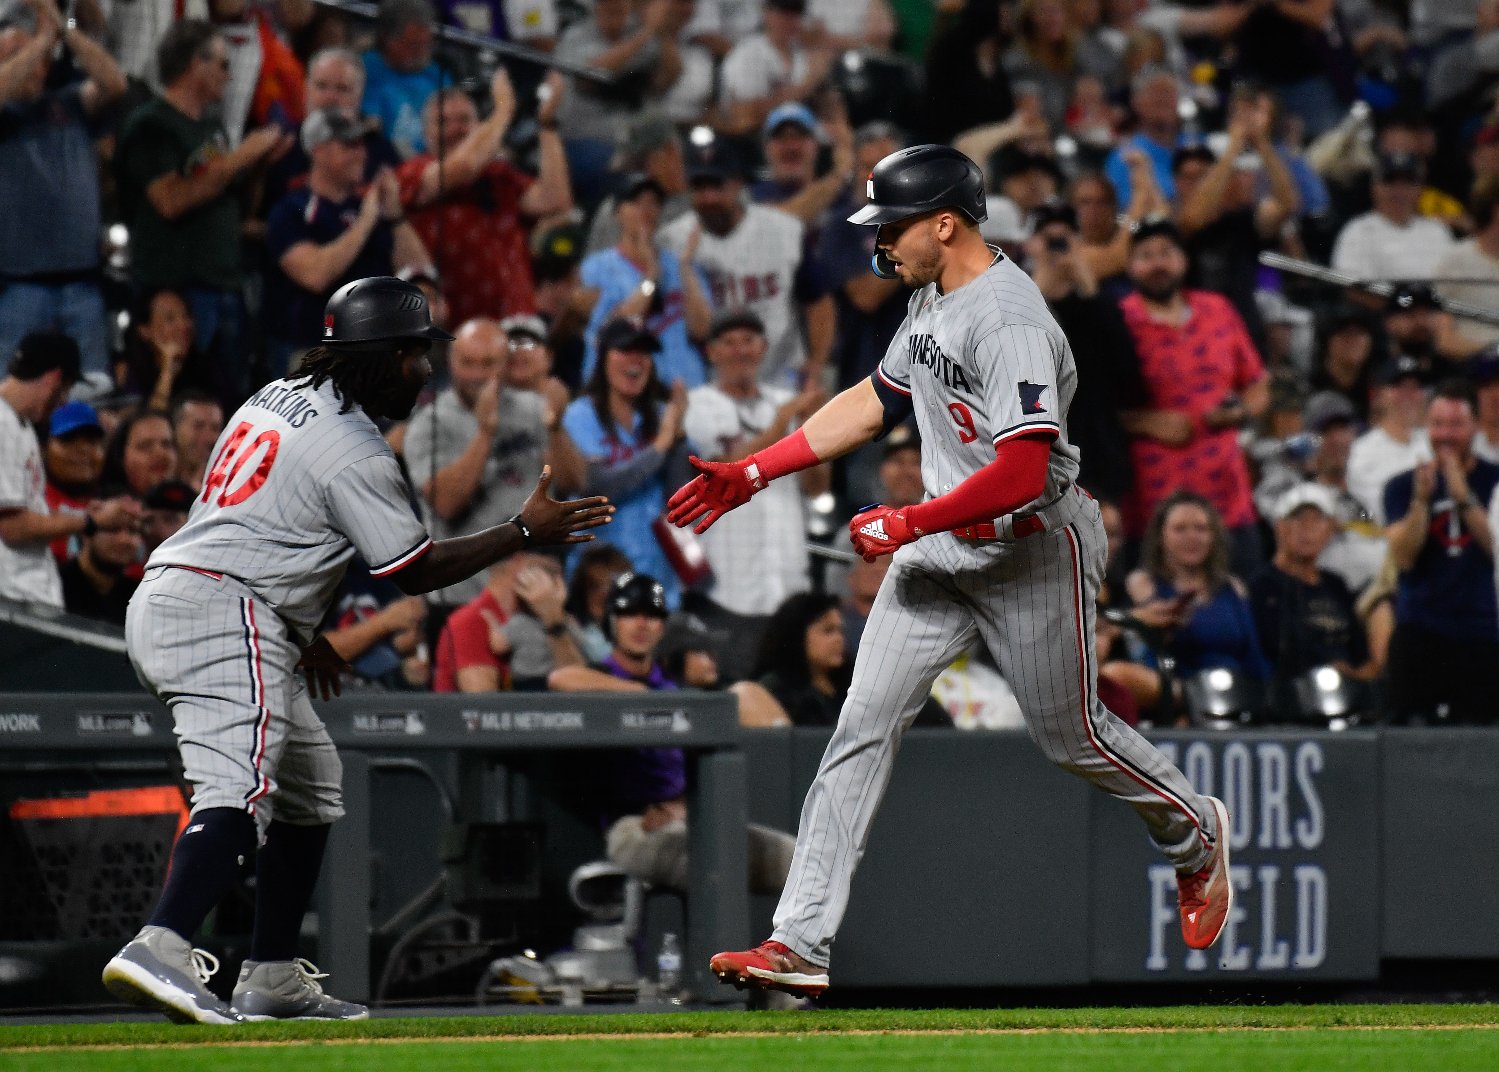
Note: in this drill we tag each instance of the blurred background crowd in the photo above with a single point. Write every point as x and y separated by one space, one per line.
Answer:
631 214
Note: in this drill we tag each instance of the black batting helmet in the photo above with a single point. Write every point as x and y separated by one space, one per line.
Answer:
634 593
920 179
379 309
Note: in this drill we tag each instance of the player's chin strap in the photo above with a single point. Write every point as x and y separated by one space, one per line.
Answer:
881 264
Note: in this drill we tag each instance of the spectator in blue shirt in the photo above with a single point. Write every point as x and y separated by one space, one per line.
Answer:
628 427
1444 656
49 234
400 73
1154 97
327 234
640 278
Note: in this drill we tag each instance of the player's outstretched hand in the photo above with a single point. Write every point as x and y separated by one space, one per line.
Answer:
324 669
880 530
554 522
718 488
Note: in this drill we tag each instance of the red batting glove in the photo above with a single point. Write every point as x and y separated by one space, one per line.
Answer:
719 488
880 530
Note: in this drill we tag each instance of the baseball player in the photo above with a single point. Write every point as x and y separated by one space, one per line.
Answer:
299 481
1006 549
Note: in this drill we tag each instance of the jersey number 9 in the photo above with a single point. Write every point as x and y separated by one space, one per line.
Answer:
967 433
231 459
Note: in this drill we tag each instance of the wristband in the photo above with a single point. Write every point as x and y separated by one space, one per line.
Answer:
525 532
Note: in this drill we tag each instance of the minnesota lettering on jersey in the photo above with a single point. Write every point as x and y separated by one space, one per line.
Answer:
925 352
283 402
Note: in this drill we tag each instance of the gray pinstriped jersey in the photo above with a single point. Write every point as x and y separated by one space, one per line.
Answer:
983 364
293 489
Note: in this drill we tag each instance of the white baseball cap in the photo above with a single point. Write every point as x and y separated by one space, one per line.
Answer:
1306 494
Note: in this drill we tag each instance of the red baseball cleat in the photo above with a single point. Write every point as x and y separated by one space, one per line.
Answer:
1206 896
769 966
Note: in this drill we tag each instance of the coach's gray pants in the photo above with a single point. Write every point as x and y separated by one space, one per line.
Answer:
223 662
1032 603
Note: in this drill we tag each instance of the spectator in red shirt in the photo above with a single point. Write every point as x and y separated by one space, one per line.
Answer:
1204 381
510 636
474 210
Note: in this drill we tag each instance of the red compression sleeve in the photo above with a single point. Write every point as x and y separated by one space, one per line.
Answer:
789 454
1016 476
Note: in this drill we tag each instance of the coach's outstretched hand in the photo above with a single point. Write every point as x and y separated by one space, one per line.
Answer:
554 522
718 488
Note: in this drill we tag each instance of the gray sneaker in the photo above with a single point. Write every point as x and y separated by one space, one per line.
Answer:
288 990
159 969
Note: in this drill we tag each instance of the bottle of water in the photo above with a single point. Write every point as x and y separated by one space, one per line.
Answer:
669 966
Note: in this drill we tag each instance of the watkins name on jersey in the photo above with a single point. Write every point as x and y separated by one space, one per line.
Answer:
284 402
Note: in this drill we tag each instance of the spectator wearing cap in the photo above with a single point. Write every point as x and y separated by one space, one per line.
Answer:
1109 380
761 559
1407 130
770 68
39 375
166 508
335 79
642 279
99 581
475 451
640 53
650 147
1204 381
400 73
1397 441
197 420
1391 241
629 427
1444 656
74 462
900 482
1304 614
557 266
1345 355
49 237
1154 97
792 139
1415 323
475 210
529 367
1221 213
179 186
1358 548
1027 180
329 233
755 258
1475 261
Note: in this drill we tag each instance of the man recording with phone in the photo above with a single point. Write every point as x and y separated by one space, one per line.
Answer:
1108 378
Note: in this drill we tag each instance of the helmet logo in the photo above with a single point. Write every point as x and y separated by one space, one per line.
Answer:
869 187
328 326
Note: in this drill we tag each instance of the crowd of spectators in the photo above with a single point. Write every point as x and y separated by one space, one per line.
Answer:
635 226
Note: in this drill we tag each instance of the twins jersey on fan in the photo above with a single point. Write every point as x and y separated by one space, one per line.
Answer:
754 267
293 488
981 365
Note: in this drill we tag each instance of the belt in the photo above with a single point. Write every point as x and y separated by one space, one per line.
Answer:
1022 527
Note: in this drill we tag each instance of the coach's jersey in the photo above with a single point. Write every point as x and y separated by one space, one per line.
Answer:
983 364
293 489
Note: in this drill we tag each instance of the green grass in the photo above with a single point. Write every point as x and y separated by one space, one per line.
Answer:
1098 1040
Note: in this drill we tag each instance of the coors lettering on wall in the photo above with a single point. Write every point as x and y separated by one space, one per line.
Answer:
1305 818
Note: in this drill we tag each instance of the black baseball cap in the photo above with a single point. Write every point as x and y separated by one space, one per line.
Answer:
1347 316
175 495
1326 408
1155 227
1398 167
633 184
1483 367
714 162
734 319
1199 151
624 333
1055 210
1400 368
902 437
1013 160
1408 296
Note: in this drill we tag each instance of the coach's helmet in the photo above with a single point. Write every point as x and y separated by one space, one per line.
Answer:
634 593
920 179
380 309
